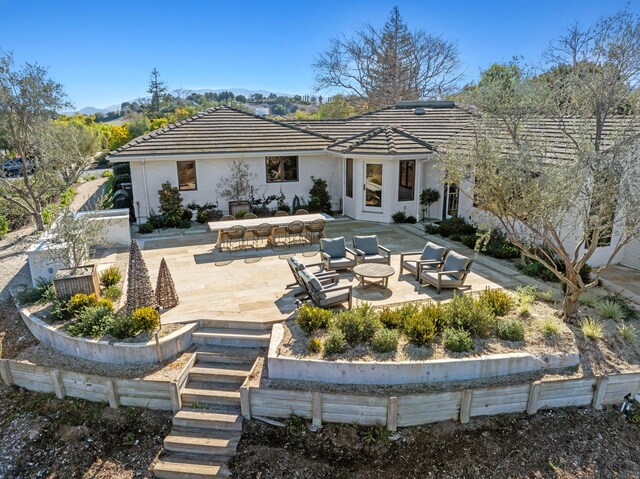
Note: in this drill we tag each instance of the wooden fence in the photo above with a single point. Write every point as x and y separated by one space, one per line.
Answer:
417 409
115 391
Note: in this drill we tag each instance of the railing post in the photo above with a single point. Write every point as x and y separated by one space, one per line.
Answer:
465 406
392 413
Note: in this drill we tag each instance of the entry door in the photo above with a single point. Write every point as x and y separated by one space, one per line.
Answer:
373 187
451 200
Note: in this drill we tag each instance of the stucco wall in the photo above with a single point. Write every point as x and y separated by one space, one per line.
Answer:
147 176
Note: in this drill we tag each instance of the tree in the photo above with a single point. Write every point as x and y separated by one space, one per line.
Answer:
237 186
389 64
338 107
279 109
73 239
28 98
241 99
157 88
319 197
166 294
118 136
139 291
138 126
558 209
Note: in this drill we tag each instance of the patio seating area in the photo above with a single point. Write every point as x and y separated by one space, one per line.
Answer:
253 284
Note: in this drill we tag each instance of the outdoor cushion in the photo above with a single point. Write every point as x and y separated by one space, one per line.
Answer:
297 263
375 258
341 263
455 262
309 278
433 252
367 244
412 265
334 247
328 297
446 280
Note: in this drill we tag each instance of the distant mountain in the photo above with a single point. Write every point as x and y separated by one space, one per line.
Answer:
90 110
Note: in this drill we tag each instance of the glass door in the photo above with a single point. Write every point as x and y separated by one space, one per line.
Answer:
372 186
451 199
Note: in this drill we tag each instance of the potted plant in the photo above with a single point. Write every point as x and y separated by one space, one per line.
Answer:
428 197
73 238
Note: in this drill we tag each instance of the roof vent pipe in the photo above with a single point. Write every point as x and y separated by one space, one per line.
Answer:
419 111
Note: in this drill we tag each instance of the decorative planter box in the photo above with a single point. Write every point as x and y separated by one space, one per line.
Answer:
237 206
84 281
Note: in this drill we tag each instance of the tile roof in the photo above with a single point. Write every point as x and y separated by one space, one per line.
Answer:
224 130
386 139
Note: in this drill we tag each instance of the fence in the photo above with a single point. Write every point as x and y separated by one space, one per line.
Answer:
115 391
417 409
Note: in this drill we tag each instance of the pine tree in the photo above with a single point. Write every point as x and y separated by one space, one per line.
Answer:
139 290
157 88
166 294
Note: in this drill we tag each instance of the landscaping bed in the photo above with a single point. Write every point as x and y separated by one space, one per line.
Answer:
566 443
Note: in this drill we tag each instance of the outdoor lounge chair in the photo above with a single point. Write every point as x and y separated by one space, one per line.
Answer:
326 296
325 277
369 251
431 257
334 254
452 273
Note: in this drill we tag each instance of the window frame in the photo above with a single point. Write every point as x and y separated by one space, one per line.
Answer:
195 175
281 169
348 184
405 177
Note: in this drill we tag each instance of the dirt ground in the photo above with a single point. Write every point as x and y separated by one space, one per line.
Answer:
44 437
566 443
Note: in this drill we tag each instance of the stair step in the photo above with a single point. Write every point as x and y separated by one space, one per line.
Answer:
219 372
232 337
202 419
227 354
238 324
208 393
179 467
214 444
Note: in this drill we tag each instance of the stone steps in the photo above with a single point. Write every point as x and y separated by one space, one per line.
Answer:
224 323
245 338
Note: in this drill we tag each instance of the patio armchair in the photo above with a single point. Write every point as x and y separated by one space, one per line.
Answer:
262 232
369 251
325 277
295 232
333 252
236 234
326 296
452 273
431 257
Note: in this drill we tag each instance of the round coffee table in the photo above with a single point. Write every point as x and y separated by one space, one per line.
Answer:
377 271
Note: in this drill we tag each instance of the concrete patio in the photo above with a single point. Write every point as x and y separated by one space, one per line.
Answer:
251 284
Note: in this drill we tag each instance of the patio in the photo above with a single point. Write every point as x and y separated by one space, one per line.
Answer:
251 285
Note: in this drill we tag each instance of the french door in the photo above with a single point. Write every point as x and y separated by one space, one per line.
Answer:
373 187
451 200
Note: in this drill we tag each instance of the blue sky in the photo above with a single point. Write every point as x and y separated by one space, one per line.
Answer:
102 52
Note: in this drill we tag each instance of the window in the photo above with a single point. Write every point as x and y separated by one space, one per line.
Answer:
406 184
282 168
187 176
349 178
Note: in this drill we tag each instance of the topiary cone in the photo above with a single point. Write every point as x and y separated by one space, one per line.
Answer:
139 290
165 288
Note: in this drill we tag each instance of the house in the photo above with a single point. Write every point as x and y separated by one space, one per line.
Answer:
375 164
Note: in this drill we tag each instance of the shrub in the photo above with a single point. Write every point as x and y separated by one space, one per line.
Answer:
49 213
92 321
470 241
526 295
474 316
511 330
146 318
431 229
335 342
588 299
319 197
145 228
456 226
170 204
499 301
358 325
421 326
628 310
314 346
106 174
42 292
80 301
609 309
411 220
4 226
592 328
385 340
112 292
123 327
119 179
499 247
399 217
110 276
59 310
207 212
156 221
390 318
311 318
535 269
627 332
549 327
105 302
121 168
67 196
457 340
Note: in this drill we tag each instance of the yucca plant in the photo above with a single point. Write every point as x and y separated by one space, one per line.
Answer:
609 309
592 328
628 333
